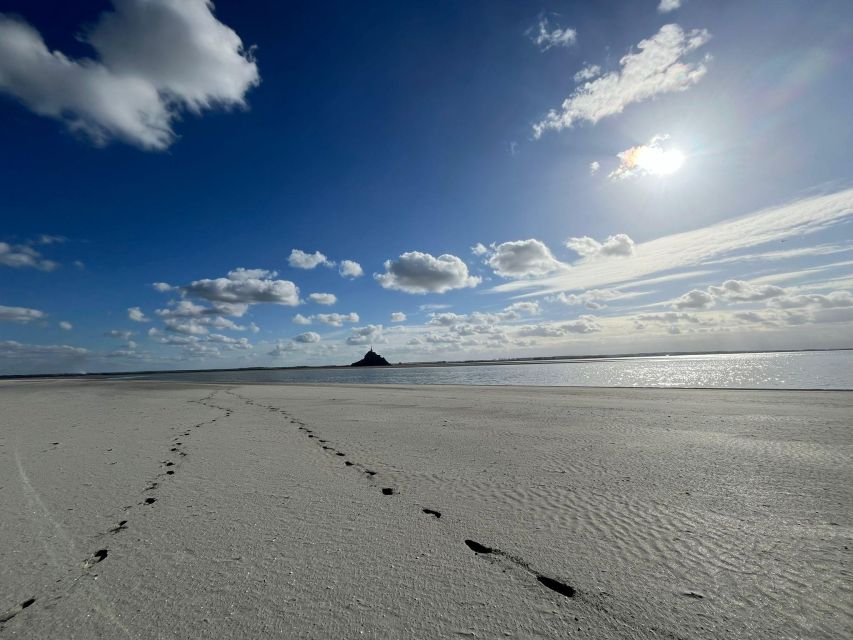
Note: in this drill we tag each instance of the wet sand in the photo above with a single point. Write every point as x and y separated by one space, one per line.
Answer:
163 510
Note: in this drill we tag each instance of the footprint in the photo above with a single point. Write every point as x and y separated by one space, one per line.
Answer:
556 585
170 473
98 556
170 464
369 472
11 613
476 547
387 491
150 500
433 512
121 526
340 454
348 463
151 486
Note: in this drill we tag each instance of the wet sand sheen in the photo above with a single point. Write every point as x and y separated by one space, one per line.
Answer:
148 509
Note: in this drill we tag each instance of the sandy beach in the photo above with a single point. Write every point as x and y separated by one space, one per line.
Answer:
169 510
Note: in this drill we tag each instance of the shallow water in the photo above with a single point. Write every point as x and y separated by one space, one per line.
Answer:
801 370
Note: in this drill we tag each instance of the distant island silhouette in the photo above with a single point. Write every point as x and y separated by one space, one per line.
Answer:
371 359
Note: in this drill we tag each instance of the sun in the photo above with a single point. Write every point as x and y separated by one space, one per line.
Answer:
656 161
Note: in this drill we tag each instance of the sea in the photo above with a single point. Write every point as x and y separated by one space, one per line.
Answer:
777 370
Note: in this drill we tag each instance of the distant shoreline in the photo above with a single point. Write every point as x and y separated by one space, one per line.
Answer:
438 363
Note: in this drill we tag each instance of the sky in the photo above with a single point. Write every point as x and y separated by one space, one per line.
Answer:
190 184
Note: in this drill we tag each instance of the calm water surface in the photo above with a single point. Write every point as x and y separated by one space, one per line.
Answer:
804 370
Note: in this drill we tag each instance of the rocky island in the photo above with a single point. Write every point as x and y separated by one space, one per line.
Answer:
371 359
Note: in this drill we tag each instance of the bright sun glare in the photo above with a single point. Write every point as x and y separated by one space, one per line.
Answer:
656 161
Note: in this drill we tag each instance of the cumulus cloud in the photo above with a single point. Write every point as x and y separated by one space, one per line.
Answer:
592 298
586 247
117 333
694 299
369 334
657 68
309 337
398 316
65 325
21 256
666 6
479 249
163 287
155 60
300 319
523 259
594 167
546 37
833 300
350 269
335 319
17 350
240 287
323 298
589 72
135 314
742 291
22 315
282 348
417 272
302 260
582 325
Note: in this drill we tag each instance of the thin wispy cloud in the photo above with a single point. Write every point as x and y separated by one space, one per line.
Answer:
546 37
658 67
693 248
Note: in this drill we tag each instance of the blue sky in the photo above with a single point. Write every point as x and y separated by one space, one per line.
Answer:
509 179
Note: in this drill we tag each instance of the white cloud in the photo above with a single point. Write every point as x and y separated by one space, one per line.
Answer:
350 269
694 299
300 319
582 325
21 256
163 287
666 6
116 333
190 326
335 319
657 68
523 259
742 291
589 72
833 300
241 273
545 37
586 247
302 260
417 272
323 298
398 316
518 309
156 58
592 298
22 315
309 337
135 314
479 249
682 250
65 325
240 288
594 167
16 350
370 334
282 348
